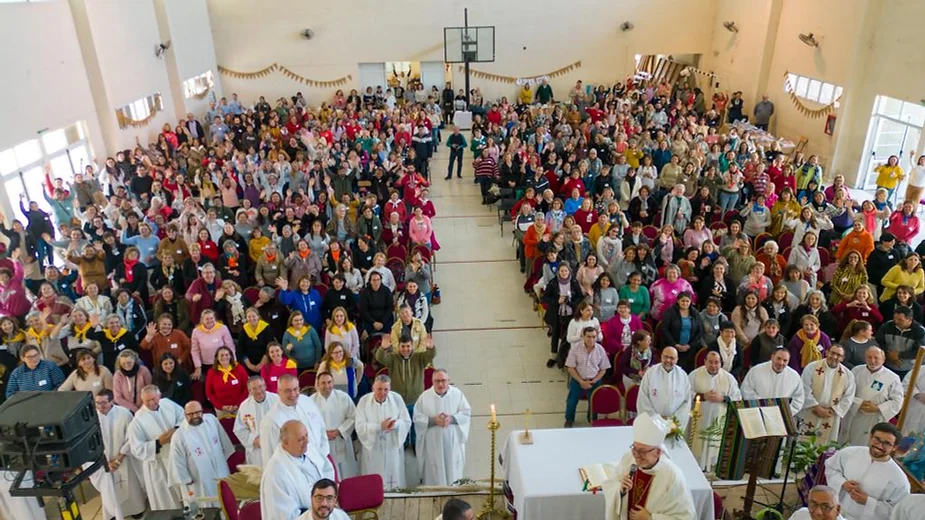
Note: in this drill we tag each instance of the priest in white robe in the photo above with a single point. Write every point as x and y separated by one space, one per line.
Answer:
829 389
339 415
665 390
199 455
149 437
292 405
879 398
915 413
250 414
716 388
909 508
18 508
324 498
775 380
290 474
656 489
441 419
382 425
121 492
823 500
869 482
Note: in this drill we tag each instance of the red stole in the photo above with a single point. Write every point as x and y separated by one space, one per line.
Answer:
640 492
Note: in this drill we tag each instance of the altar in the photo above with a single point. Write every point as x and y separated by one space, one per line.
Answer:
543 476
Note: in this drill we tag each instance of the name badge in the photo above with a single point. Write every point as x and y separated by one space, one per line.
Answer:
97 383
844 280
274 316
179 383
608 300
674 291
273 379
865 314
311 304
120 347
889 256
173 345
234 382
631 300
781 311
179 251
343 296
43 382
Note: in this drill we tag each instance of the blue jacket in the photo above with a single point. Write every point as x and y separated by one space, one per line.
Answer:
308 304
46 377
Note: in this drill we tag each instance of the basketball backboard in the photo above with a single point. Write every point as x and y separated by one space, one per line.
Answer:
472 44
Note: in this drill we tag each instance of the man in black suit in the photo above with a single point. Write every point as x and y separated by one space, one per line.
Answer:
194 127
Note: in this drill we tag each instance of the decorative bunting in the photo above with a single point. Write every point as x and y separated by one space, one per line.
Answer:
276 67
126 121
812 113
530 80
202 94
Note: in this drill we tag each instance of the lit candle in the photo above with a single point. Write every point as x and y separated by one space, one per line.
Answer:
494 418
697 404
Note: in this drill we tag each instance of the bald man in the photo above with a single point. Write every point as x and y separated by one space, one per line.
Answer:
150 434
199 455
878 398
665 390
822 505
292 405
290 474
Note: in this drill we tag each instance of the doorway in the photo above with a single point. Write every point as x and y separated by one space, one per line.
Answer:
895 129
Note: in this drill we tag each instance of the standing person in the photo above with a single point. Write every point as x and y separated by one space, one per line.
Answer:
21 508
250 414
339 415
879 398
382 426
290 474
889 175
829 389
587 363
716 388
660 489
407 369
120 488
149 435
441 417
562 296
775 379
916 179
823 504
199 454
870 482
292 405
764 109
457 144
665 390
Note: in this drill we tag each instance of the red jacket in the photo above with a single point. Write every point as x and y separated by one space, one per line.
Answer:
223 393
585 219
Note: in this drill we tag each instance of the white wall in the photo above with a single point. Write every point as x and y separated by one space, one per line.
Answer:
349 32
192 48
44 83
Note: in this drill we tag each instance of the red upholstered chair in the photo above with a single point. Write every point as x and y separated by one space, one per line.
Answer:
250 511
650 232
824 257
396 251
719 509
228 500
761 239
428 377
361 496
384 371
632 395
701 357
307 379
605 399
716 226
252 294
397 266
228 425
334 465
236 459
322 289
785 240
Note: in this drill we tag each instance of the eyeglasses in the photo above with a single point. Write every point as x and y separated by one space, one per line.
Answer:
34 355
194 414
824 507
325 498
881 442
639 451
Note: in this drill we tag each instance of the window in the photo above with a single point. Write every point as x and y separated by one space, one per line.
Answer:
398 68
198 86
139 110
812 89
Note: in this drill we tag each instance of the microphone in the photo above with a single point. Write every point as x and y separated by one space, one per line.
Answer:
631 473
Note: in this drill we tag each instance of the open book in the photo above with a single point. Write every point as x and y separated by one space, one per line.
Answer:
762 421
592 476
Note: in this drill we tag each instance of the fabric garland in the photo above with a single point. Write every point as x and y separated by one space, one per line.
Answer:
529 80
276 67
202 94
125 121
812 113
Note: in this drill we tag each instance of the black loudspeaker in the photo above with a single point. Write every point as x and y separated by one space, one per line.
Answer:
54 431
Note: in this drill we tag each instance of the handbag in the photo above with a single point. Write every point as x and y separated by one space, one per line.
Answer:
435 295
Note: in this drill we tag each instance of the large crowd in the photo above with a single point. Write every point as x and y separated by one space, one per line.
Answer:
659 239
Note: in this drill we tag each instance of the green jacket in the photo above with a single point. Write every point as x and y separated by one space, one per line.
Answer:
407 373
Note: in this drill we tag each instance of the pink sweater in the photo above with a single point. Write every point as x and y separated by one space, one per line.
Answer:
206 342
127 390
13 300
420 232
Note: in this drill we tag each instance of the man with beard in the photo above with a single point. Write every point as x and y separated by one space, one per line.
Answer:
199 455
324 498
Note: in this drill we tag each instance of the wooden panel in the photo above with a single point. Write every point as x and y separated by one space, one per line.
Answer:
412 506
427 508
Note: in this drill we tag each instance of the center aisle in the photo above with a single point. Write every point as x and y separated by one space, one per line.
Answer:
486 332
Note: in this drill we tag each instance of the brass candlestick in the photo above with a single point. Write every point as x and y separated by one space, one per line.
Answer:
526 437
488 508
695 423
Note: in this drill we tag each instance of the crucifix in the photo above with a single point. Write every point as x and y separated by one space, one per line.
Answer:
526 437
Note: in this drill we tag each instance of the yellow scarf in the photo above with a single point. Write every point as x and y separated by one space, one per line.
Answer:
37 336
81 334
209 331
809 352
337 331
337 366
115 338
299 334
253 333
226 372
18 338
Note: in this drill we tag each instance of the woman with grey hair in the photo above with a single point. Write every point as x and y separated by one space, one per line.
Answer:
815 305
129 379
114 338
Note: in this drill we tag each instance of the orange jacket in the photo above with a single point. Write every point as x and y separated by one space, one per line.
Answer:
531 240
862 242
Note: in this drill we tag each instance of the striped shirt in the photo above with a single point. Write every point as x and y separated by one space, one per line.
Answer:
46 377
586 363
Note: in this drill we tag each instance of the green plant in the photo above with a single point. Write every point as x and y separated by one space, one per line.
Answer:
807 452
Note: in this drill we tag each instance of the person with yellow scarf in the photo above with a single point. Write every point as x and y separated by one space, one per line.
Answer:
301 342
889 175
113 339
253 339
226 383
808 344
